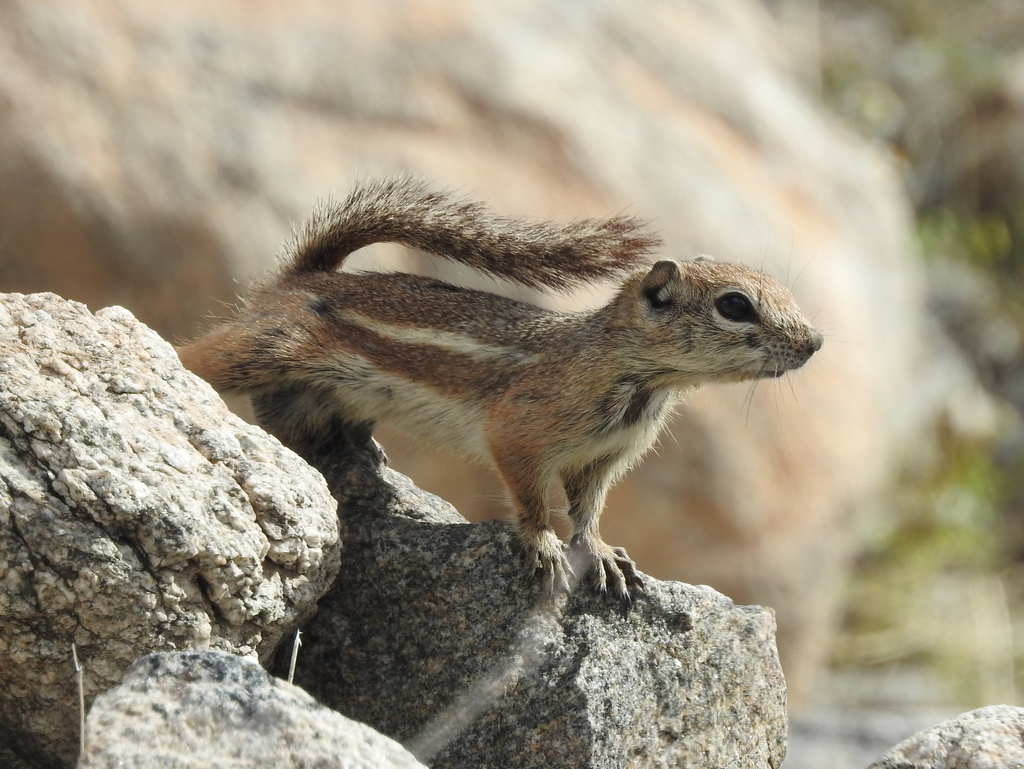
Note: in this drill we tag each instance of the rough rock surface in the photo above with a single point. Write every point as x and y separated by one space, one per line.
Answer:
848 737
216 710
435 635
136 514
988 738
153 153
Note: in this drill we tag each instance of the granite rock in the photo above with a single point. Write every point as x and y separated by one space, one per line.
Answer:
988 738
136 514
214 710
436 634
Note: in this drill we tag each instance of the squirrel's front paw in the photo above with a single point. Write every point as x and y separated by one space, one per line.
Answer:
551 561
614 571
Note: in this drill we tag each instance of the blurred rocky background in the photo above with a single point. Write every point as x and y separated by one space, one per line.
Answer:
933 611
869 154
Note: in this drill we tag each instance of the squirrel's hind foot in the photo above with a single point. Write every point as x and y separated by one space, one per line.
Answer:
377 452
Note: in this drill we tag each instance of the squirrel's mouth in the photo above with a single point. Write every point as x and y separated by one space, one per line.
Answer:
777 370
765 373
773 369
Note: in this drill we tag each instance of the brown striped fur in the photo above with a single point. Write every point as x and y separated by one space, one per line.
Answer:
545 397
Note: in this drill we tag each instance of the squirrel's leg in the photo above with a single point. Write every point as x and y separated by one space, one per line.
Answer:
306 421
586 489
528 485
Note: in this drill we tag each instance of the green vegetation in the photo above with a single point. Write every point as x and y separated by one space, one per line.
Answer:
933 587
941 585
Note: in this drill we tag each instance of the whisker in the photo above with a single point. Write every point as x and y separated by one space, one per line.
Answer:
838 340
800 275
789 261
748 402
782 424
768 242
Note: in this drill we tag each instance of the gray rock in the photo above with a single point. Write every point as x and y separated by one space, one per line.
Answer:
213 710
136 514
849 737
435 634
988 738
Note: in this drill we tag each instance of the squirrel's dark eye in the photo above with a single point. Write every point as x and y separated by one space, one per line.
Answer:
735 306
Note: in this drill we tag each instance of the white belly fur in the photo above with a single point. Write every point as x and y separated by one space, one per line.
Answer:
419 411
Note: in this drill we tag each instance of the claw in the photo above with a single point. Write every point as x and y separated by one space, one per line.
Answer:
556 572
378 452
557 576
613 571
628 568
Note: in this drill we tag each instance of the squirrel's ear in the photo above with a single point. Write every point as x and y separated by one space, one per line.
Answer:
659 284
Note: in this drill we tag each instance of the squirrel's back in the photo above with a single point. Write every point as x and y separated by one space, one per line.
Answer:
405 210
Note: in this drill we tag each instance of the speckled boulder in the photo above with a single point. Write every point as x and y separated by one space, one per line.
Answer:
988 738
212 710
136 514
437 635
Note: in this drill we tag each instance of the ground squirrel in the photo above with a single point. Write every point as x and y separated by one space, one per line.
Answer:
540 395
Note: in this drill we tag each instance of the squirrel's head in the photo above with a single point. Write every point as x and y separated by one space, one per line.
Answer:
714 321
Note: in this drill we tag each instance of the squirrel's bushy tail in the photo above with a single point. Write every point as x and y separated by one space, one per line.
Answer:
405 210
